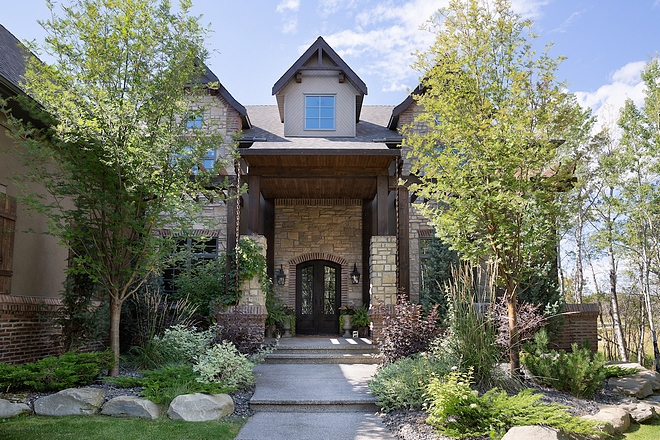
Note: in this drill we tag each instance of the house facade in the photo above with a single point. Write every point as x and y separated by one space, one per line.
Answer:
327 195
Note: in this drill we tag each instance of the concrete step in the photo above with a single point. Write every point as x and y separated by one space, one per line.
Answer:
301 357
314 406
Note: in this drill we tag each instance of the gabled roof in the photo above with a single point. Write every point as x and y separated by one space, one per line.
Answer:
316 51
396 112
12 63
210 77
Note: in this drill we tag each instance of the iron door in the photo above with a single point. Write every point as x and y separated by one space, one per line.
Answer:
318 297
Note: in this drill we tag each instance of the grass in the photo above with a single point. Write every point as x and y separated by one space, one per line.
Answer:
650 431
110 428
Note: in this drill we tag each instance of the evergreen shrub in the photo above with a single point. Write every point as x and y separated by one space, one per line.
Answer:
580 372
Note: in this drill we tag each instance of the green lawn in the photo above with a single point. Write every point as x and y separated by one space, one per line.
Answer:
111 428
649 431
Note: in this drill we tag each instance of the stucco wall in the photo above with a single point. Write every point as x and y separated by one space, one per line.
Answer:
324 83
331 229
38 259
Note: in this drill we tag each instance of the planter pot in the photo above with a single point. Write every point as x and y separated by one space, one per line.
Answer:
270 331
363 332
286 324
347 326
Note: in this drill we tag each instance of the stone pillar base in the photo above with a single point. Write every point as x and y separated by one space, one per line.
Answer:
377 315
243 325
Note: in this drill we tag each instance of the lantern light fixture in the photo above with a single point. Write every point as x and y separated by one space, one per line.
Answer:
355 275
280 277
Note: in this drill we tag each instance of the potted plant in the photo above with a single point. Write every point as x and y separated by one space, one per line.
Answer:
360 319
276 313
289 322
345 323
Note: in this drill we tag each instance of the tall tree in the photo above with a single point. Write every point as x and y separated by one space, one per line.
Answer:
641 141
494 112
119 148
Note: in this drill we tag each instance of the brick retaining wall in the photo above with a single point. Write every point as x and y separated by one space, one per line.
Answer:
581 324
27 332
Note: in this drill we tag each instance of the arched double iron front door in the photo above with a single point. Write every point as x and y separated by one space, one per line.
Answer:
318 297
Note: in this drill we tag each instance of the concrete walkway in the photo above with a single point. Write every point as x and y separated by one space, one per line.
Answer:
315 400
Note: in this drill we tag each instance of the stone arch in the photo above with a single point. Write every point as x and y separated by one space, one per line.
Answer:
317 256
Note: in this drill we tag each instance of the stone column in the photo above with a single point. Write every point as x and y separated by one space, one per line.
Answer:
382 271
249 315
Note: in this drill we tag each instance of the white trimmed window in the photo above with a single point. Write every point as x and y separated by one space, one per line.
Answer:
319 112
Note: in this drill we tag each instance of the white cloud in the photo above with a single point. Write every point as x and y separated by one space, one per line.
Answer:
288 4
329 7
385 36
290 26
567 23
609 98
529 8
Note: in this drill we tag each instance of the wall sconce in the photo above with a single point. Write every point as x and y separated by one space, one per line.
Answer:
280 277
355 275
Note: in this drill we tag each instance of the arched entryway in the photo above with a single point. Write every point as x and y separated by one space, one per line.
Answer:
318 297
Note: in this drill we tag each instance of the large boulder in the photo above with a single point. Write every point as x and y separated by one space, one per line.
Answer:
534 432
131 406
640 384
618 418
71 402
640 412
200 407
8 409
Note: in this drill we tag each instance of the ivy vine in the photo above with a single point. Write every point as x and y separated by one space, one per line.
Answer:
251 263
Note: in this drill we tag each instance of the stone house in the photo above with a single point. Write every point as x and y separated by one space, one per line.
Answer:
327 200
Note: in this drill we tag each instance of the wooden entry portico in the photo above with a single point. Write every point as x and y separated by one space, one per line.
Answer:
368 176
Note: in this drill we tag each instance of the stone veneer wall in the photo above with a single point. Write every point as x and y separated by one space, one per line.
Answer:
383 290
580 325
311 229
27 332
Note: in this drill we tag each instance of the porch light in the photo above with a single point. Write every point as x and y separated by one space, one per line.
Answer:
355 275
280 277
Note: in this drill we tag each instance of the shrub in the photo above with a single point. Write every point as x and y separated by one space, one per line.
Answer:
457 410
178 345
224 364
164 384
237 327
579 373
406 332
55 373
403 383
530 320
360 317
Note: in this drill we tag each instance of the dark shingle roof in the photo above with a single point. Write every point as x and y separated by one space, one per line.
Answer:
12 62
266 124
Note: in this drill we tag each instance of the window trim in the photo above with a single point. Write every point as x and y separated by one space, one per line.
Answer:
319 118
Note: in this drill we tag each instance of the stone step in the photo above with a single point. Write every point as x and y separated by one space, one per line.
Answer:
351 349
321 358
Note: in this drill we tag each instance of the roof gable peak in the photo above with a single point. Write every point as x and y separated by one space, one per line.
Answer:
313 58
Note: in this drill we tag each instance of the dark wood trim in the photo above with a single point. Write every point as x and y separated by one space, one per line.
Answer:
367 220
254 193
269 233
274 151
404 241
300 171
232 211
6 273
382 196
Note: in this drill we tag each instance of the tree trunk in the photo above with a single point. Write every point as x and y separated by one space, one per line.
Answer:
115 315
614 301
579 271
514 350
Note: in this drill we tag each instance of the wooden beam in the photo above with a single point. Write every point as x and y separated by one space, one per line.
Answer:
269 232
301 171
274 151
404 241
367 232
254 192
381 195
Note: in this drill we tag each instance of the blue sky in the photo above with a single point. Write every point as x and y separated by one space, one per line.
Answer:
254 42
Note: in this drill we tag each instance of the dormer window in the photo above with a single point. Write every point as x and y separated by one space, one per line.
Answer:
319 112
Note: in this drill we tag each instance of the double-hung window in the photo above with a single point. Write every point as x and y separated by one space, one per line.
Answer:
319 112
